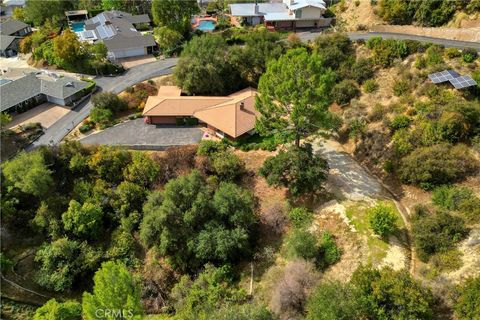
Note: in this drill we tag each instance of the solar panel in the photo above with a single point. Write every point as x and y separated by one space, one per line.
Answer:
443 76
463 82
102 32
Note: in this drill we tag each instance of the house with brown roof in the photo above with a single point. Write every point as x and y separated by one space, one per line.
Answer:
228 116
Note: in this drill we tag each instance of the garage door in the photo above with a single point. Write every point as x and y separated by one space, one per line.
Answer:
129 53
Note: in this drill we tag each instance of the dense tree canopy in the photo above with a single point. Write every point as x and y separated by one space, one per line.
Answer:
467 304
83 220
194 224
37 11
301 111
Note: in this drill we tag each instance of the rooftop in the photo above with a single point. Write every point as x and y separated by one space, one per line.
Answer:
5 42
31 84
233 114
11 26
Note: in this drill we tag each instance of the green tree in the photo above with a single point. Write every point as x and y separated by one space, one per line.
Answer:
116 290
301 111
68 310
128 197
142 170
37 11
302 244
300 217
83 220
110 101
192 226
334 50
333 301
389 294
204 69
396 11
467 304
174 14
101 116
66 48
113 5
297 168
168 40
62 262
382 219
109 162
29 173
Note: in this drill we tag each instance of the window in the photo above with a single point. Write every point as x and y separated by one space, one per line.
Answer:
298 14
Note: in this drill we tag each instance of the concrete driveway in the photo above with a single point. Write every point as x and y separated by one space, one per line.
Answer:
131 62
139 135
46 113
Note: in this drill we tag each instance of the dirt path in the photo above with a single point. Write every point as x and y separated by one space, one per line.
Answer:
357 183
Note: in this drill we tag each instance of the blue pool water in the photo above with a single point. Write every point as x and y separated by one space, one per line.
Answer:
206 25
78 26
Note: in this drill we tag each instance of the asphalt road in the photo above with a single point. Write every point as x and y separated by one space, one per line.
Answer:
54 134
61 128
305 36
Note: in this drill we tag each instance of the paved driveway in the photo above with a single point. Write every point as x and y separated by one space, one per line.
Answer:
46 113
140 135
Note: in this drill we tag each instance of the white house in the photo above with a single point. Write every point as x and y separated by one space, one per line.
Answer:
289 14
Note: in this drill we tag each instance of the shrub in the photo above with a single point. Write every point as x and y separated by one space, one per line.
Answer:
435 233
401 121
467 304
210 147
382 219
109 101
101 116
370 86
227 165
329 251
420 62
459 199
469 55
300 217
401 87
452 53
433 55
274 217
344 91
438 164
302 244
85 128
362 70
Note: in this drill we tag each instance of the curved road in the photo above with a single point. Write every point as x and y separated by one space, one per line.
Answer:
55 133
305 36
61 128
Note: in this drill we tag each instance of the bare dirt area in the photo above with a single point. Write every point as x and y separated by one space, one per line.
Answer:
351 16
46 114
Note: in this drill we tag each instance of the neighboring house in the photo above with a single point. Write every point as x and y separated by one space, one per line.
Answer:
7 6
289 14
11 32
117 31
229 116
21 93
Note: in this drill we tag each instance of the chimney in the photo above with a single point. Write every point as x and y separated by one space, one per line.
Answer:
256 7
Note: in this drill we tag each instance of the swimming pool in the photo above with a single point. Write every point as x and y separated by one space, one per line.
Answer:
206 25
78 26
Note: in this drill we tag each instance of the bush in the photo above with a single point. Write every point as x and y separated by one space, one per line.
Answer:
362 70
85 128
344 91
109 101
452 53
434 55
401 87
459 199
300 217
382 219
469 55
370 86
436 165
101 116
210 147
227 165
301 243
401 121
436 233
329 251
467 304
